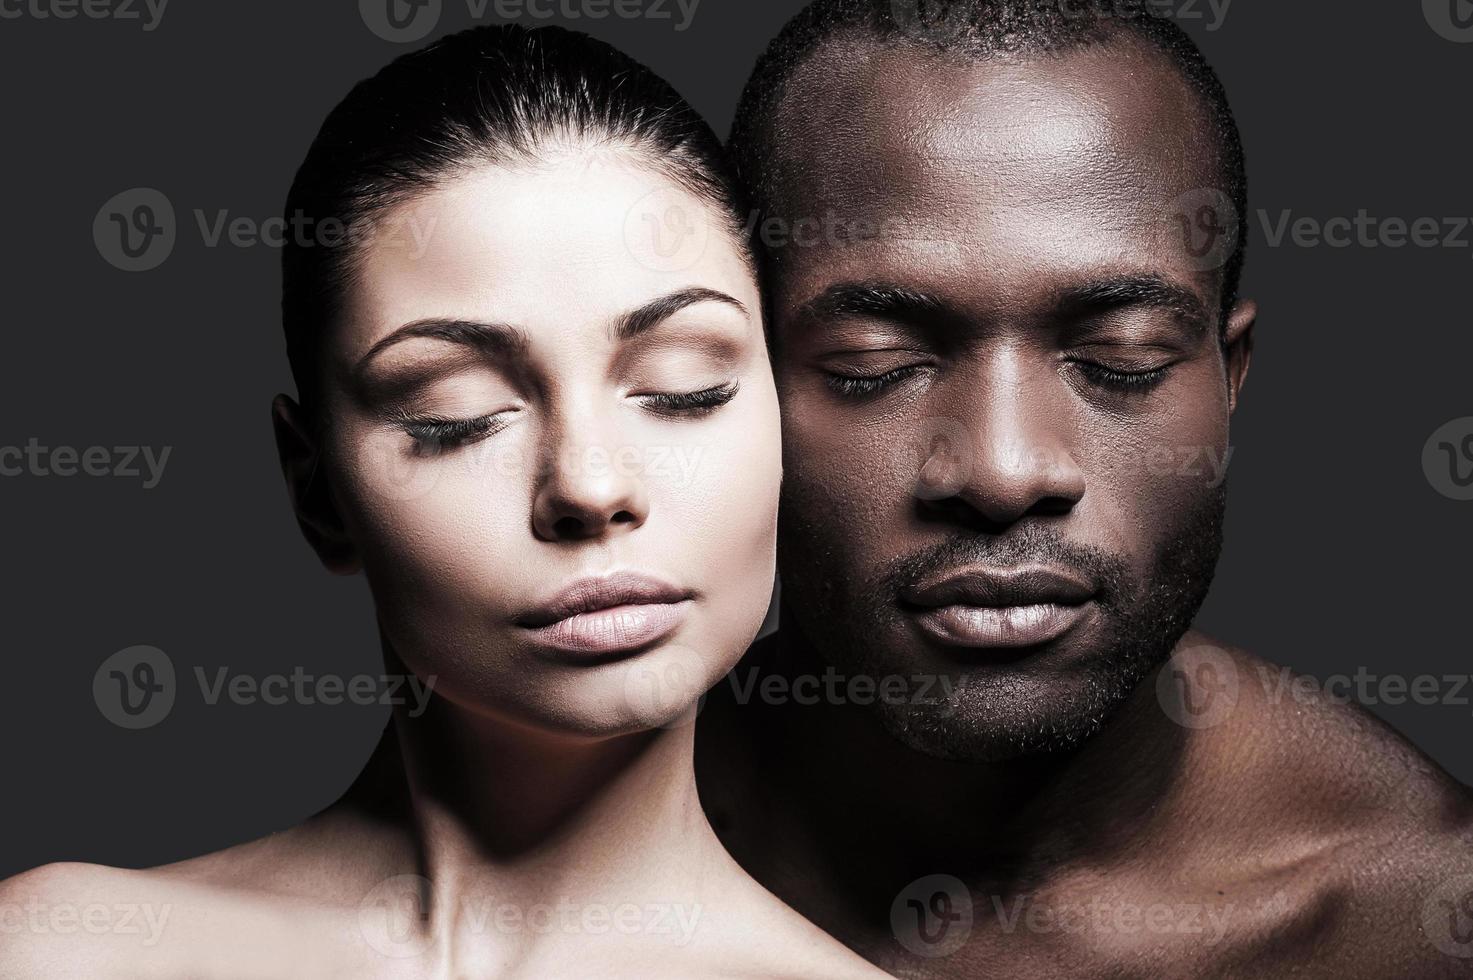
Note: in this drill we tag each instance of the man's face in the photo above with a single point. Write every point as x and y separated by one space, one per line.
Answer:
1005 394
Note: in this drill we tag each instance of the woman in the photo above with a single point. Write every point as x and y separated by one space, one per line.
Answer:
536 411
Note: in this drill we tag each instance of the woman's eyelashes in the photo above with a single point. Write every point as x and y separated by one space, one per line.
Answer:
434 434
689 404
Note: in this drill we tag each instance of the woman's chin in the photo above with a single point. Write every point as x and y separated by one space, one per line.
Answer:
660 686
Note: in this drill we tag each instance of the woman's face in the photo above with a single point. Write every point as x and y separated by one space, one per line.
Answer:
554 442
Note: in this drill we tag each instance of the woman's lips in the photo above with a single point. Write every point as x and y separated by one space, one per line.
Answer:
620 628
621 612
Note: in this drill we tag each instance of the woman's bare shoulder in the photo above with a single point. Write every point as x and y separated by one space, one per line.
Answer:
750 932
271 903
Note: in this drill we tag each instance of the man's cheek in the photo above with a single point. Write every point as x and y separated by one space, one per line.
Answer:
852 483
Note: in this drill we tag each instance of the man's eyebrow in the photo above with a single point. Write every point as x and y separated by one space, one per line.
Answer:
1149 291
657 311
869 299
487 338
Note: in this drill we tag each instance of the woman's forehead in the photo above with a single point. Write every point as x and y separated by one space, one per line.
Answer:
572 243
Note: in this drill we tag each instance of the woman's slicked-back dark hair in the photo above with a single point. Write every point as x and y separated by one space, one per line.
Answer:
488 95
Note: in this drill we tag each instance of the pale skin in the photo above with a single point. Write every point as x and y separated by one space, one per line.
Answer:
540 819
1286 835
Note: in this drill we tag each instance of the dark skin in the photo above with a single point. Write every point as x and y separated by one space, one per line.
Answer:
1105 812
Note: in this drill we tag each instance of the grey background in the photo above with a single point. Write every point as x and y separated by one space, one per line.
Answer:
1340 554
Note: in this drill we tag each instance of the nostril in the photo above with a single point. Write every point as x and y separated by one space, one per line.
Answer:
568 527
623 517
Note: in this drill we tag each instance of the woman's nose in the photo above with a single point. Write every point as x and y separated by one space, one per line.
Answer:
589 489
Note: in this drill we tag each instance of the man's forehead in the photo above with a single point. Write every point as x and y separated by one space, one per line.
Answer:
994 182
870 121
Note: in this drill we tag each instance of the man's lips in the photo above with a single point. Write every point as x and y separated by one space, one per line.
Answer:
619 612
979 607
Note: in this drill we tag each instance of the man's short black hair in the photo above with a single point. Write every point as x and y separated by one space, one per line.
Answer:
981 29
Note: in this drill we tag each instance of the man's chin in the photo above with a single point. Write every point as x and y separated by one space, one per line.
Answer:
998 713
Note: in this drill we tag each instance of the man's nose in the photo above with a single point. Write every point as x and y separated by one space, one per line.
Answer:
1002 448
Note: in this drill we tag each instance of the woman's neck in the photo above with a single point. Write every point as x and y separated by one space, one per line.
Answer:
504 822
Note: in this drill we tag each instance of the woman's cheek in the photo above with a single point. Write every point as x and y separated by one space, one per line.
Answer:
427 523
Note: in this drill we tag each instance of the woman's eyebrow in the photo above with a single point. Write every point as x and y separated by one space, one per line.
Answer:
487 338
506 339
657 311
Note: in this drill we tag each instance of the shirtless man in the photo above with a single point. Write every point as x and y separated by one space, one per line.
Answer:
1003 242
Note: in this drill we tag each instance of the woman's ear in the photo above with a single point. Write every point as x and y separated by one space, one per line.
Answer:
311 495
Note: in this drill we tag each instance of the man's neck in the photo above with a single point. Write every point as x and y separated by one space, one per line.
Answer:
877 814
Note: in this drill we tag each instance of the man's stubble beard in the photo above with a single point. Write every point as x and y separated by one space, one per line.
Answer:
1009 711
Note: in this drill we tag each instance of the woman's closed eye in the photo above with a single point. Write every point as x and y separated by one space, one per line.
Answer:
433 434
688 404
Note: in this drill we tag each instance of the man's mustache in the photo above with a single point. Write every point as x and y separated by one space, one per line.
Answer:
1024 546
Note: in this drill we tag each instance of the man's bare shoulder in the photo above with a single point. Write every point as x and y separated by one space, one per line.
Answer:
1301 745
1363 845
